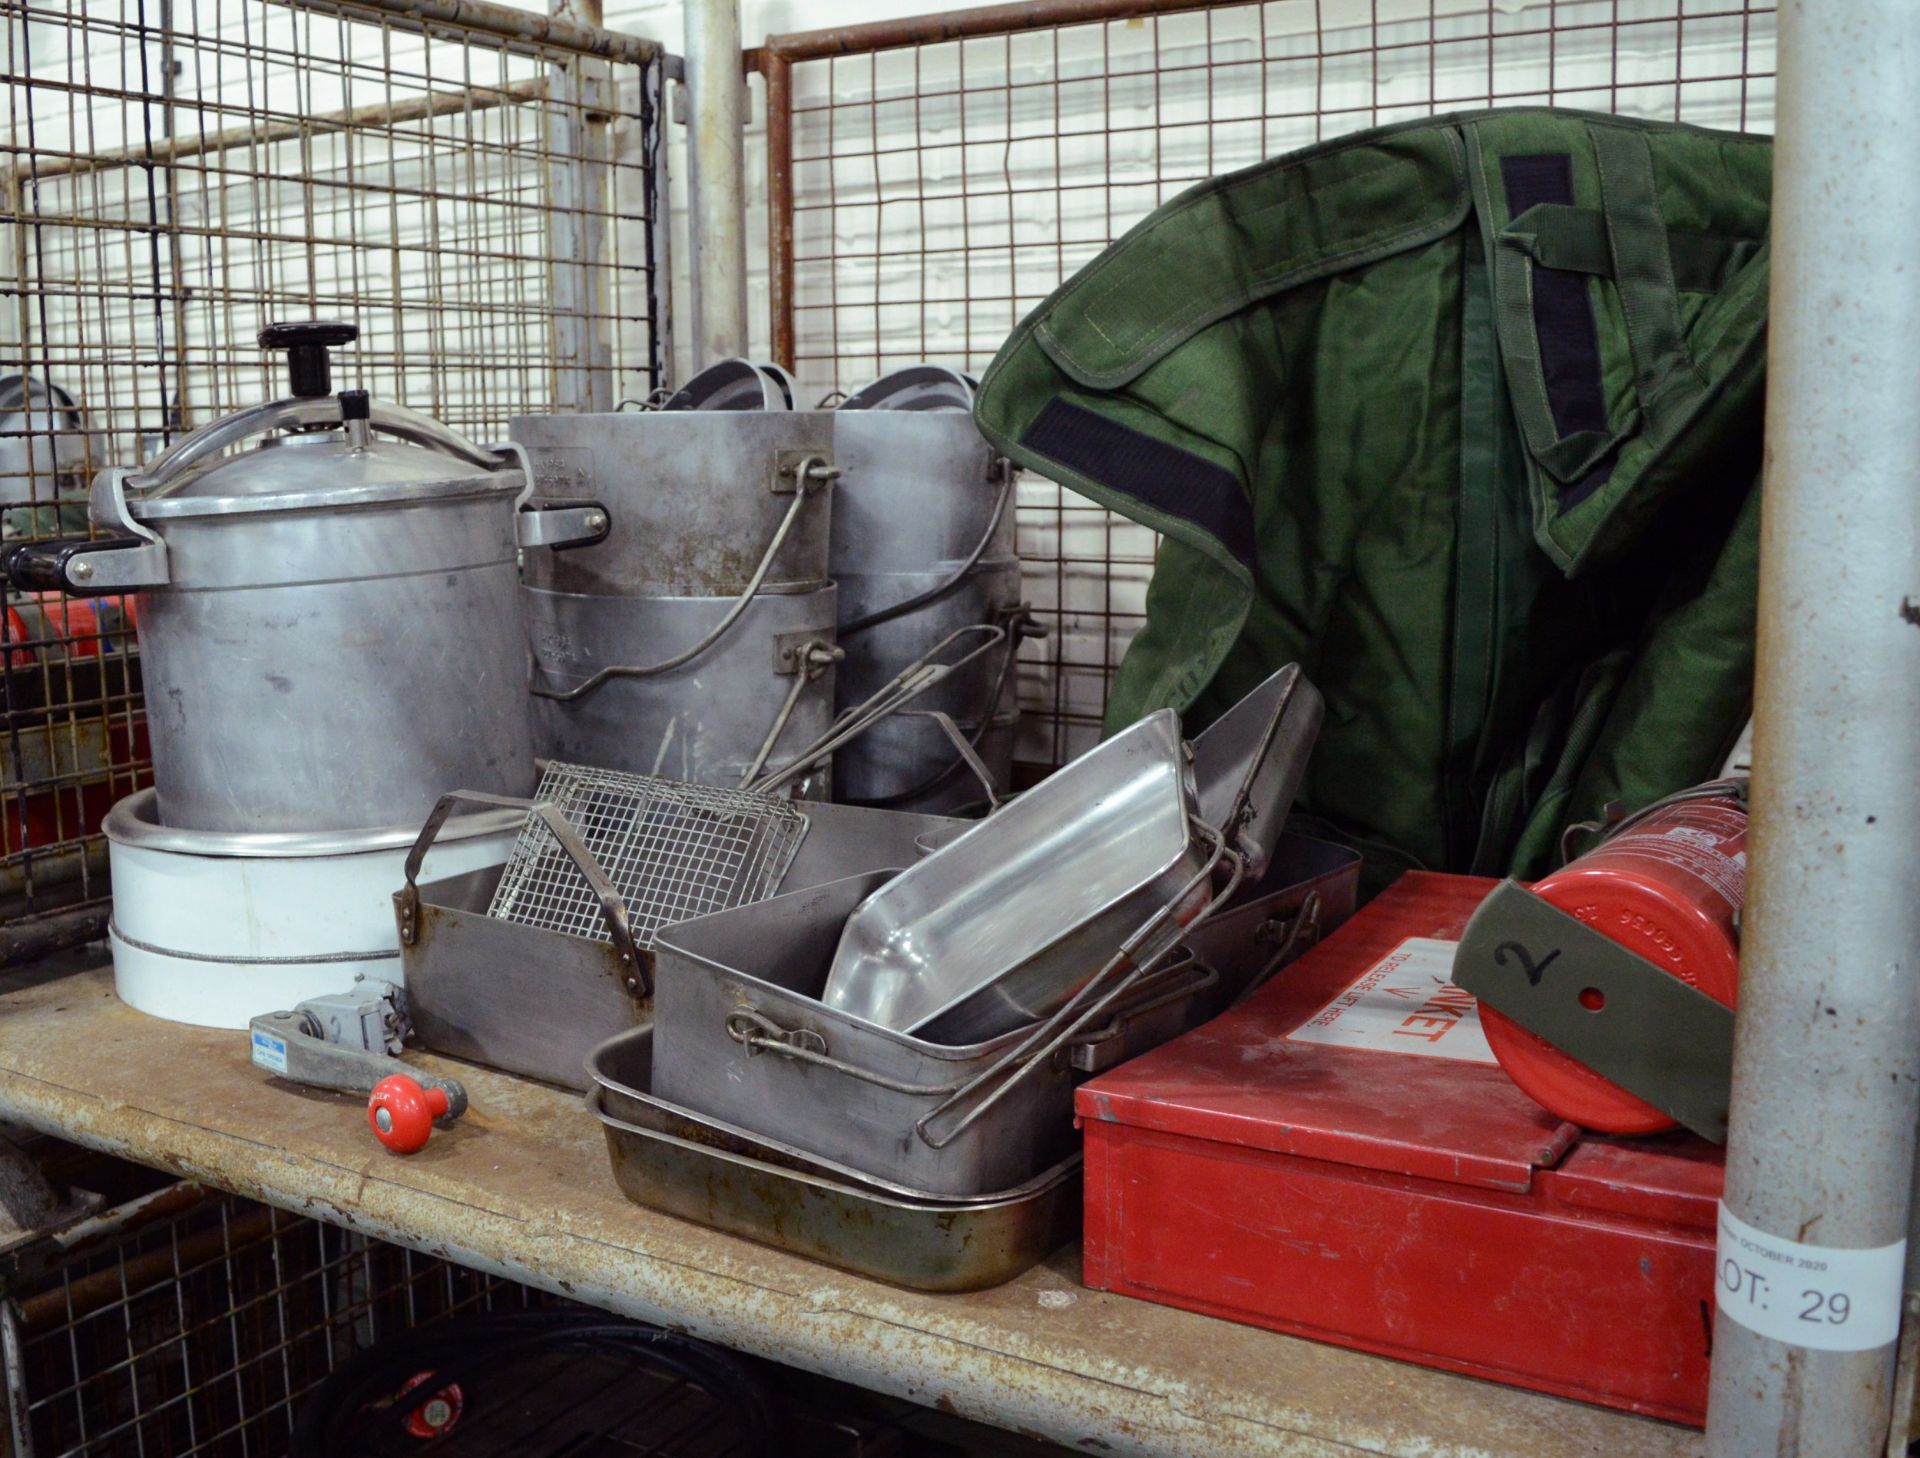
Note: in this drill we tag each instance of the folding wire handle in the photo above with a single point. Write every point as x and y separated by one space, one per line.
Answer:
902 689
612 909
758 1033
1019 624
1139 956
810 475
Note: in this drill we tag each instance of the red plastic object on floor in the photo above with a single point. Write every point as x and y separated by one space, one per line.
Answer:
1342 1158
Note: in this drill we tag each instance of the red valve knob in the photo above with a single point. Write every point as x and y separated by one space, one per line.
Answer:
401 1112
435 1417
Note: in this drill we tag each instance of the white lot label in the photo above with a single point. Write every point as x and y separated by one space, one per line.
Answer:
1404 1003
1816 1296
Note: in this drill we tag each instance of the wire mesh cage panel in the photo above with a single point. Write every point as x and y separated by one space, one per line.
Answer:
937 179
177 174
193 1324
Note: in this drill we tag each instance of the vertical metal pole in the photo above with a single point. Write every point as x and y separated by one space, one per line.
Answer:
13 1361
1827 1057
578 141
778 71
659 204
717 204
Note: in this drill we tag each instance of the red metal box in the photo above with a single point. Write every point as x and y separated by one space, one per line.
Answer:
1341 1158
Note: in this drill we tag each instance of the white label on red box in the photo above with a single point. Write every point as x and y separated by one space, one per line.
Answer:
1404 1003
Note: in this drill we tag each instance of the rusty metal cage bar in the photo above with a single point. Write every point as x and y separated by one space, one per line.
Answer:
931 180
474 186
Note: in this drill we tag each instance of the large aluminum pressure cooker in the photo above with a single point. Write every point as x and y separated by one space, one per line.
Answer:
330 622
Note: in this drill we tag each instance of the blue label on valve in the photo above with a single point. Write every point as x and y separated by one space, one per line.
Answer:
269 1052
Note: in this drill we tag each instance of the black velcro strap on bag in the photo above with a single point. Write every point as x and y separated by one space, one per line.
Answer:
1562 313
1173 481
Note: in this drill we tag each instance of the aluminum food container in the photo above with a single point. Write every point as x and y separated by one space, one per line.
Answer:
1309 890
743 1037
468 984
1256 754
1002 926
622 1070
924 1244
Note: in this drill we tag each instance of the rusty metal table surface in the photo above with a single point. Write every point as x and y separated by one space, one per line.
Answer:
521 1187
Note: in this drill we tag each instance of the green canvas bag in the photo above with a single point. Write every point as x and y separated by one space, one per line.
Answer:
1464 416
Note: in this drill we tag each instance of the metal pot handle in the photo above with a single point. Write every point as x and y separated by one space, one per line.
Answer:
810 474
85 566
612 909
572 524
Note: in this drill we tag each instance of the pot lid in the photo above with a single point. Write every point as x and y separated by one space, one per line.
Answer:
314 449
312 469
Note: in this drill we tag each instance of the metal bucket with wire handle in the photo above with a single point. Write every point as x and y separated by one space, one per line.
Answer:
705 616
922 545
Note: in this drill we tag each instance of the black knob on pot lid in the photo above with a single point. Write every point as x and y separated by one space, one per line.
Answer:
309 369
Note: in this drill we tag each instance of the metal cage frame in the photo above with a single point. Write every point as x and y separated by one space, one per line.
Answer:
931 180
481 189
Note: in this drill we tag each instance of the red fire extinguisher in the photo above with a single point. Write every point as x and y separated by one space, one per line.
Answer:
1667 884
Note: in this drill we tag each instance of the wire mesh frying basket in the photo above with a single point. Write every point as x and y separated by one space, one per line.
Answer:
670 850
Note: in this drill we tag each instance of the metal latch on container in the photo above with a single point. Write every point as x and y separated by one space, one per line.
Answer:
755 1031
793 651
789 466
1601 1004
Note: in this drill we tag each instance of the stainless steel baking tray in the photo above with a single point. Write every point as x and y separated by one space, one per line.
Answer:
622 1069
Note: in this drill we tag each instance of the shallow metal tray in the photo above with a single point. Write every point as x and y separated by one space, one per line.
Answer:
922 1244
999 928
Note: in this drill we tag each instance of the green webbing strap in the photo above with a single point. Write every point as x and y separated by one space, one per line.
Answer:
1566 459
1664 376
1575 240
